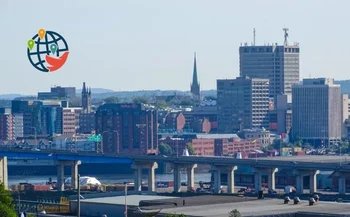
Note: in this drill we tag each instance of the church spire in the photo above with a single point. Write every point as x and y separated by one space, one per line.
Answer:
195 88
195 76
84 88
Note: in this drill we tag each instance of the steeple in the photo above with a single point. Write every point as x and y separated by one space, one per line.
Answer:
86 99
84 88
195 87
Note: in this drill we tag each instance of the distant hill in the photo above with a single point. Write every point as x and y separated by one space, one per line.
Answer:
96 90
9 96
148 93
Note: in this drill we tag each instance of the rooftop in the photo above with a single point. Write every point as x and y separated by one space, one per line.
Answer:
217 136
260 208
133 200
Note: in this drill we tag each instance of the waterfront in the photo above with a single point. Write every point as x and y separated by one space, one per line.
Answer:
105 179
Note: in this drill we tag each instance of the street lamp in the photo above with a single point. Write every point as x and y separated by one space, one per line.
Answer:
126 194
78 197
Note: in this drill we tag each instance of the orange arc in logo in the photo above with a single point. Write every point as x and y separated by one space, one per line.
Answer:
56 63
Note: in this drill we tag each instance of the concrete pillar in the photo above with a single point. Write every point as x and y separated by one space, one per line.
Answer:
177 178
137 178
190 176
257 181
300 183
342 184
271 181
151 177
313 181
231 180
60 176
74 173
217 180
3 172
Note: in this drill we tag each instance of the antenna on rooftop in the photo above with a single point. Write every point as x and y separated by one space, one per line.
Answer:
285 36
254 36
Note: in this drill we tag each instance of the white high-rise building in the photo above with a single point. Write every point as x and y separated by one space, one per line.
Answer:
317 111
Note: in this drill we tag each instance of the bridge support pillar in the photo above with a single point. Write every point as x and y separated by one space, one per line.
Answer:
217 180
313 181
3 172
190 176
342 177
75 171
137 167
177 178
300 180
60 177
231 180
257 181
271 181
217 169
151 177
60 174
342 185
300 183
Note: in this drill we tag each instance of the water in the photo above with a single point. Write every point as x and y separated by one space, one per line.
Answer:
107 179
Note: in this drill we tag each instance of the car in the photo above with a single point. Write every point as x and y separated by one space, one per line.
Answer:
35 149
242 190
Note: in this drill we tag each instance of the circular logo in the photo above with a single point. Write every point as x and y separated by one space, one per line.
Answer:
47 51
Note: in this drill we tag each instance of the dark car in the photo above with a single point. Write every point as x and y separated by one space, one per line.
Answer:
242 190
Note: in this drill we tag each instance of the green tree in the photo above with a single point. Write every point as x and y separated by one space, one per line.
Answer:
278 143
138 99
343 147
111 99
75 102
165 149
6 207
161 104
234 213
190 149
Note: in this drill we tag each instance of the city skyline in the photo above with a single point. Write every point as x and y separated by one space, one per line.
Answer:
111 46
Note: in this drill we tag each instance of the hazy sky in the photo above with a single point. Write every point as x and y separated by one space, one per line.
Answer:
149 44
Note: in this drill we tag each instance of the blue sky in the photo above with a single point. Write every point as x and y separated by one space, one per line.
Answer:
139 44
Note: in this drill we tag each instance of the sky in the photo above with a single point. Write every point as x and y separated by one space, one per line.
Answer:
148 45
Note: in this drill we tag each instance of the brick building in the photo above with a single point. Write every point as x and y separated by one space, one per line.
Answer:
175 120
127 128
213 144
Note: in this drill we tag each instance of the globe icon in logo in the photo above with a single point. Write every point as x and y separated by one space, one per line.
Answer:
47 51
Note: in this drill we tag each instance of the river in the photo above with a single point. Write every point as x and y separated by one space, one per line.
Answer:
106 179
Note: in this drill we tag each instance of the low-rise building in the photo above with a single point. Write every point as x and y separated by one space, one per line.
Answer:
262 135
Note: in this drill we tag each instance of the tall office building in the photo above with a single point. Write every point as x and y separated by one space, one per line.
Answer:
278 63
243 103
17 125
6 124
58 92
195 86
317 106
127 128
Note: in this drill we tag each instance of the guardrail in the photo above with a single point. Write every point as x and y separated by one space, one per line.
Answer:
222 161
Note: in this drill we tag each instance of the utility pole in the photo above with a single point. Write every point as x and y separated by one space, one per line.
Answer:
78 197
126 204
